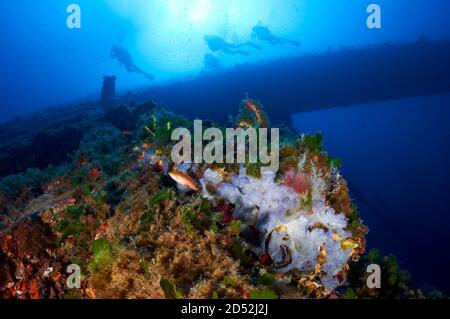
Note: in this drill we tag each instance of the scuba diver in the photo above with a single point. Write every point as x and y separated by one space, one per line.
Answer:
264 34
216 43
211 62
124 57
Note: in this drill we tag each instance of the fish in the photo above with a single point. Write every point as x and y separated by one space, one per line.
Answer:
127 133
244 124
255 109
183 179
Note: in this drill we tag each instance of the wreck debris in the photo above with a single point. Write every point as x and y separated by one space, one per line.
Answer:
108 88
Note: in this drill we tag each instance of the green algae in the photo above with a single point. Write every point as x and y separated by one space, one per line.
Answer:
159 197
230 281
266 279
306 201
263 294
334 162
147 219
253 170
235 226
69 229
313 142
188 219
101 245
86 189
238 251
102 252
205 206
144 265
31 180
349 293
100 197
169 289
374 256
214 219
74 212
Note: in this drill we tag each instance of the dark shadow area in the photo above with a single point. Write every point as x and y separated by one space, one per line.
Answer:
327 80
45 148
395 157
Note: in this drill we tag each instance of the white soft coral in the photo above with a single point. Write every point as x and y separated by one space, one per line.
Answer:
291 236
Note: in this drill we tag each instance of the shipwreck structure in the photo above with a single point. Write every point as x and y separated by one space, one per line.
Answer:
343 77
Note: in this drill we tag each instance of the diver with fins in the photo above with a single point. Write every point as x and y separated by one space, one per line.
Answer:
124 57
216 44
259 32
263 33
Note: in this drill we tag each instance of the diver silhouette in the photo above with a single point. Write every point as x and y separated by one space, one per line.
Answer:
216 43
264 34
124 57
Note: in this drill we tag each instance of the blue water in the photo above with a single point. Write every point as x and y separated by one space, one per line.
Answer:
395 153
396 157
42 62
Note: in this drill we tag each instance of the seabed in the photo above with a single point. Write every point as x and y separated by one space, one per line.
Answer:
113 209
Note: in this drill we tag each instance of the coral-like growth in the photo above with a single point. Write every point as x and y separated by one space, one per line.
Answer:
297 234
116 212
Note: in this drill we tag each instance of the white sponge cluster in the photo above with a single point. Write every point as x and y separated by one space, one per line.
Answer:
292 236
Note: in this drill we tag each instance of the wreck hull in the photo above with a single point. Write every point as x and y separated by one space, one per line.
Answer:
333 79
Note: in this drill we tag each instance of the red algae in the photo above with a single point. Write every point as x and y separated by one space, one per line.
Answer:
297 181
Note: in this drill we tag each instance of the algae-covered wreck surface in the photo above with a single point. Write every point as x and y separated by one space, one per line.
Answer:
116 211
